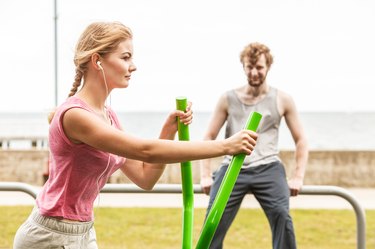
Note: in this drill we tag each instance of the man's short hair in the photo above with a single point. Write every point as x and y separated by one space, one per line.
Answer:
253 51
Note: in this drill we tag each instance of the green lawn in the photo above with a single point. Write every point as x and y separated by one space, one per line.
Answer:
160 228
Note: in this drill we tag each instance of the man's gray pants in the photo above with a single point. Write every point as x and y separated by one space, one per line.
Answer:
269 186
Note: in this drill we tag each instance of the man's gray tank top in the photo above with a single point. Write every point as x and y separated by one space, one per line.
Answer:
266 149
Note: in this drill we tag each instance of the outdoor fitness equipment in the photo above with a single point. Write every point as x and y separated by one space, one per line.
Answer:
225 190
221 199
187 182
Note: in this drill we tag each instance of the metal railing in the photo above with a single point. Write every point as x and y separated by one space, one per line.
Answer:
177 188
33 142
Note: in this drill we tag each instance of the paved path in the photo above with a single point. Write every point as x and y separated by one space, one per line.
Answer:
366 197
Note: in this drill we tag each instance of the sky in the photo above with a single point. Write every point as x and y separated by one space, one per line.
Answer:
323 51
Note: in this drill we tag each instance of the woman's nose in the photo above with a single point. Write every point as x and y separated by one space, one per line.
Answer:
133 67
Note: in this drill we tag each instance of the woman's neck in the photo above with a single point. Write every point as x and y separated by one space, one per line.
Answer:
94 94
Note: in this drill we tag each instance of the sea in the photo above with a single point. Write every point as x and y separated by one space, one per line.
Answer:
324 130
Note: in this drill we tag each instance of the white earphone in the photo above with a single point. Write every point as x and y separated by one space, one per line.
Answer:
109 155
99 65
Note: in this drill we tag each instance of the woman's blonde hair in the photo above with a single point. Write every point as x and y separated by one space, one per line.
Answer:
101 38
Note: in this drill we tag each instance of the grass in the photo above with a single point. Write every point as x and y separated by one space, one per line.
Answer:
160 228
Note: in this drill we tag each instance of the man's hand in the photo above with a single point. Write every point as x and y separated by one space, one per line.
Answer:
206 183
295 185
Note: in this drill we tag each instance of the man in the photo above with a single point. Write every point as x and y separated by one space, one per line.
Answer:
262 172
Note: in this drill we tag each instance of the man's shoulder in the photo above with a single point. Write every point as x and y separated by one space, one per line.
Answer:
282 94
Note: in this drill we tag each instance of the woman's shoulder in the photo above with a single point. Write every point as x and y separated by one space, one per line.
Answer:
72 102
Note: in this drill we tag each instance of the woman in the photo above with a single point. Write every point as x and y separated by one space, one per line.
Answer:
87 144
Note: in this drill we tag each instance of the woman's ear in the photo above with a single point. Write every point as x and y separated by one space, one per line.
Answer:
95 61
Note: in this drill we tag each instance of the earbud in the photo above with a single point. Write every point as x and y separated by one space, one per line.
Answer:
99 65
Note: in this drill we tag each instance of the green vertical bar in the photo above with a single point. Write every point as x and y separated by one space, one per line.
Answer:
225 190
187 183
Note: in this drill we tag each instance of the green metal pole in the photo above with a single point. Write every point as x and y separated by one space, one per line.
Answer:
225 190
187 183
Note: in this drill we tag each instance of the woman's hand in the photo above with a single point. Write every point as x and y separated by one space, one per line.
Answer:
187 116
243 141
171 124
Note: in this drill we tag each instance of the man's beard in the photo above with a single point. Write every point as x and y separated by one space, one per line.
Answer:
258 83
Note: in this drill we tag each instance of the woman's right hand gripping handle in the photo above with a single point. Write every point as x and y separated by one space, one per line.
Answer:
243 142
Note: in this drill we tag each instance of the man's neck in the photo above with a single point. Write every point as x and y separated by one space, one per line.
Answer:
251 95
256 91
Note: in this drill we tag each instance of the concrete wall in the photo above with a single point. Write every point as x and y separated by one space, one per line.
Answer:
23 165
339 168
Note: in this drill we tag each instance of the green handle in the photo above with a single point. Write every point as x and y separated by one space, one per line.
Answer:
187 183
225 190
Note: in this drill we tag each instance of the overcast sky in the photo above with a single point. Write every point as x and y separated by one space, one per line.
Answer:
323 50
